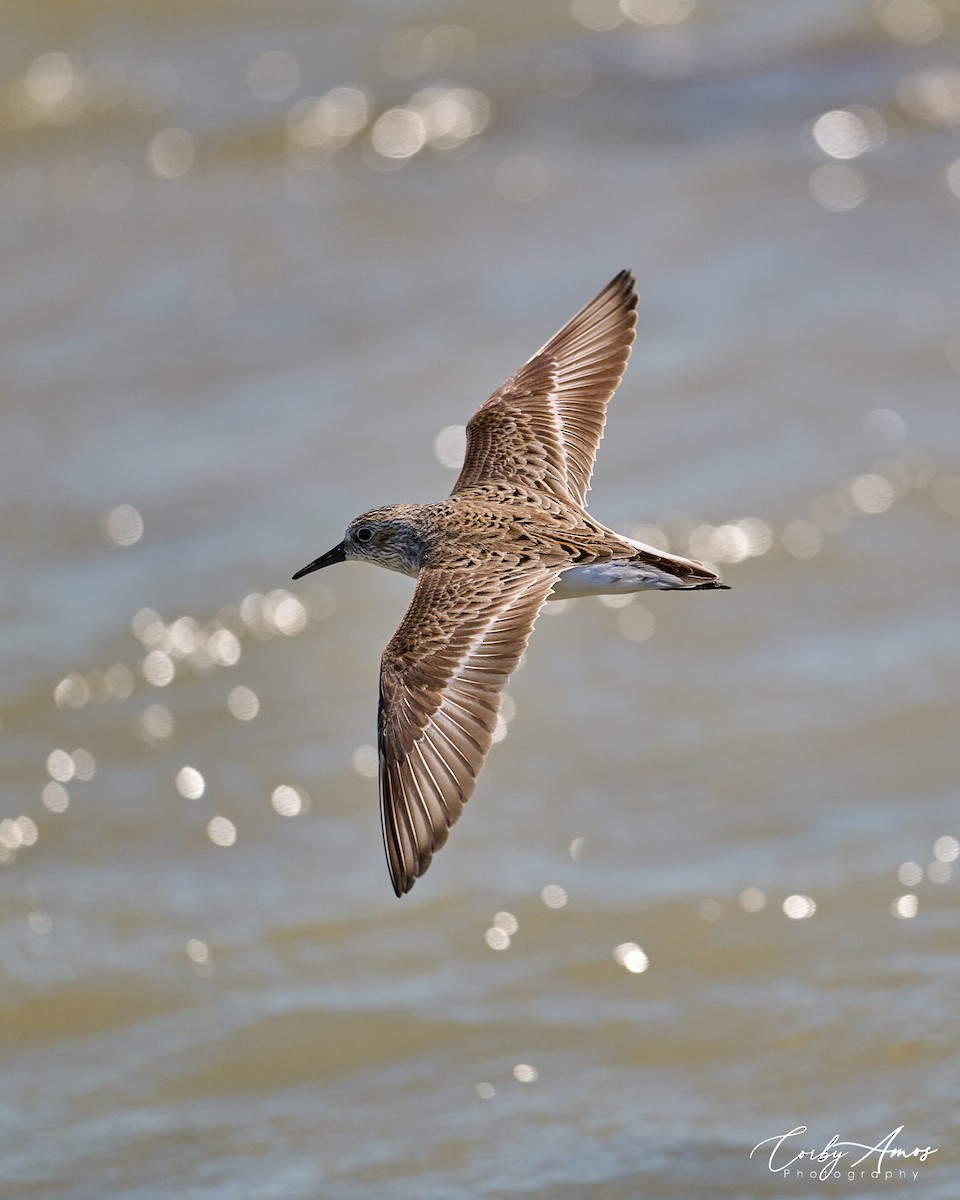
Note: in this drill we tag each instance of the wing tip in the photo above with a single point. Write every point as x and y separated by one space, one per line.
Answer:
613 308
624 284
624 280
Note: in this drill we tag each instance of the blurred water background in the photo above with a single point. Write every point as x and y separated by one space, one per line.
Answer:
259 262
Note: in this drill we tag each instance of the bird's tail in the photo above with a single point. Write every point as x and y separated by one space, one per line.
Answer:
675 571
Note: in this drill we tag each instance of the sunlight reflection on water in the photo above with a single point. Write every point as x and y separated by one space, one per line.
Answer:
258 273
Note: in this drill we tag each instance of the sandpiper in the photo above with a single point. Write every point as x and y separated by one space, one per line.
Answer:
513 533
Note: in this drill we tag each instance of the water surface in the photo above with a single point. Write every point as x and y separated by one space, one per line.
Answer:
251 271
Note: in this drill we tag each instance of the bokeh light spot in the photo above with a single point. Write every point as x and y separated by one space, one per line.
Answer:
73 691
631 958
60 766
49 78
285 612
158 668
497 939
122 525
170 153
753 900
758 534
29 830
910 874
224 647
119 679
399 133
329 121
287 801
450 445
932 94
11 837
182 637
728 544
871 493
939 871
197 951
366 761
55 797
190 783
84 764
802 539
842 134
657 12
148 627
651 535
154 724
451 116
554 896
525 1073
709 909
599 15
635 623
799 908
243 704
915 21
837 188
905 907
222 831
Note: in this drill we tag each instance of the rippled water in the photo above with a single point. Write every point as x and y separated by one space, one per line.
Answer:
255 260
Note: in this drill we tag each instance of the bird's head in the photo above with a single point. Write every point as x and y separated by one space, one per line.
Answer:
388 537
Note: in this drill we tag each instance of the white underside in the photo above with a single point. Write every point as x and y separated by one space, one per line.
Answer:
613 578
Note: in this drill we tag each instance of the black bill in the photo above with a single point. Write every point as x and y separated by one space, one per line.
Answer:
337 554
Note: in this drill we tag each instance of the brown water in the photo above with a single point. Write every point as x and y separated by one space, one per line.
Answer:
251 328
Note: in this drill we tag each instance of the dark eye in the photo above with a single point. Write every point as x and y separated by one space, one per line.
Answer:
364 533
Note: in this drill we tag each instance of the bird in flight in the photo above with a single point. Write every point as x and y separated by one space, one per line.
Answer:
513 533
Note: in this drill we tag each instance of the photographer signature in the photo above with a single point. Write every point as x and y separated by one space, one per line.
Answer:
829 1158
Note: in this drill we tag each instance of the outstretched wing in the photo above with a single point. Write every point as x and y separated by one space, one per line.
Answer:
543 427
441 680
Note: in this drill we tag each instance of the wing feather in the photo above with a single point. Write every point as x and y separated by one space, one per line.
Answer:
542 428
441 681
